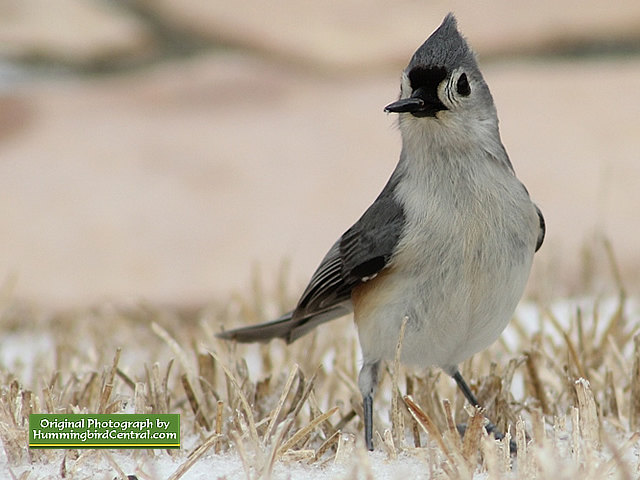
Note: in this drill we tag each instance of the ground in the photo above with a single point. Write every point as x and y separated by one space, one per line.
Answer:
168 172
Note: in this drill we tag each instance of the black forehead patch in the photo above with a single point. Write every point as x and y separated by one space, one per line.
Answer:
429 78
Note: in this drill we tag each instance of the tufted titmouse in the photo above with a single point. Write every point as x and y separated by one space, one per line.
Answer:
448 243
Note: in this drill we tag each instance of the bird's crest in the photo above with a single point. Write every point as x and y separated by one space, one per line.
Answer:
445 48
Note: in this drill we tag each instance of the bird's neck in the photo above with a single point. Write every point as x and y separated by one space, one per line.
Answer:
459 146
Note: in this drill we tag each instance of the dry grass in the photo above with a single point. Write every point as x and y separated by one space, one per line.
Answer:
576 379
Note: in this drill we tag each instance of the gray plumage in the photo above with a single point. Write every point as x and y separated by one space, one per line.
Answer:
448 243
359 254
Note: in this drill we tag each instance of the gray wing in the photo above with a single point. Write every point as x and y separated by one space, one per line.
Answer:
360 254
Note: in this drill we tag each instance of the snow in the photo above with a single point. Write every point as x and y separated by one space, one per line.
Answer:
359 464
213 467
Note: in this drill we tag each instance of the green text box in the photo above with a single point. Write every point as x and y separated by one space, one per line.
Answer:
119 430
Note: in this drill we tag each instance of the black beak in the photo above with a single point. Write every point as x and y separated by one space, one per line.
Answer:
405 105
424 102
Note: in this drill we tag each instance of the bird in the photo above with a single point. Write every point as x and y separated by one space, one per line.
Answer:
447 246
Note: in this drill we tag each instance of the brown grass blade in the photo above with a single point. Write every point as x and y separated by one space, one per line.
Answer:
452 433
326 445
532 361
107 387
306 430
589 421
195 404
194 456
428 426
472 435
397 420
243 399
283 396
218 430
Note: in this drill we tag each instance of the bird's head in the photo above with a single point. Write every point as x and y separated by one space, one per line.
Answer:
442 85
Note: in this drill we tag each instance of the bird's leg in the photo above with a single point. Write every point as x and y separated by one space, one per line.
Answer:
471 398
466 391
368 421
368 382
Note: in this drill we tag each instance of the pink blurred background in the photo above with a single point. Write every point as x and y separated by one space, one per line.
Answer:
161 151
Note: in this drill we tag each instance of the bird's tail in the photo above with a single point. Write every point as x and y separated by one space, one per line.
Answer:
287 327
263 332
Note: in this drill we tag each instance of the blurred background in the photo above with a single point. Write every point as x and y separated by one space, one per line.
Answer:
163 151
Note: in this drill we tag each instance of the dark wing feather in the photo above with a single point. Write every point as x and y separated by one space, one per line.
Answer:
362 251
324 289
543 229
367 247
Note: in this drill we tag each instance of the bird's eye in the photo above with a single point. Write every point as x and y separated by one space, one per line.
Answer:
463 86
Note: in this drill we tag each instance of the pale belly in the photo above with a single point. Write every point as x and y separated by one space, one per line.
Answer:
457 300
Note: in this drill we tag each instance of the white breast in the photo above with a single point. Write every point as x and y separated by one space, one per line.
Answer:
461 267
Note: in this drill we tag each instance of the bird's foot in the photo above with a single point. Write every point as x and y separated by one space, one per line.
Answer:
493 431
